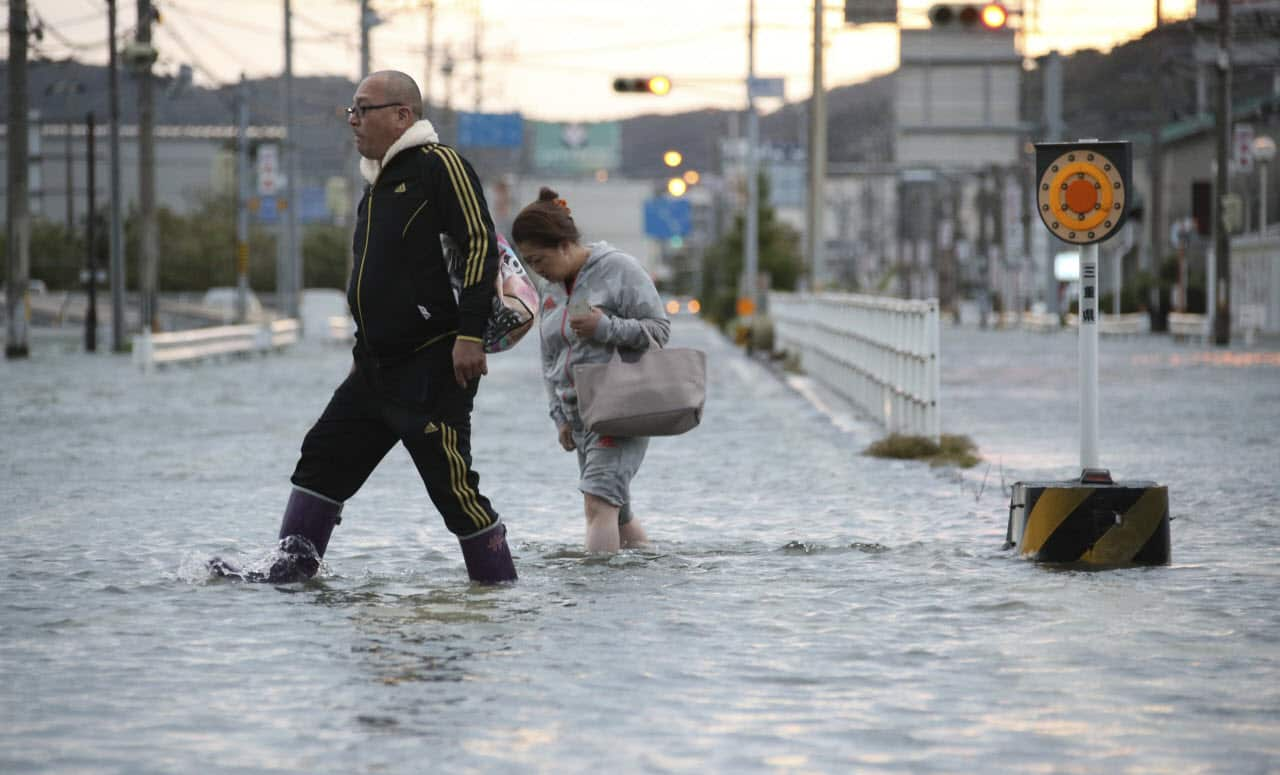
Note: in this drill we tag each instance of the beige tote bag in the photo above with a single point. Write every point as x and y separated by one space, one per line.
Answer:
656 392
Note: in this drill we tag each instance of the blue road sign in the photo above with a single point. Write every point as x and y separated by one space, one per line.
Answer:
313 207
267 212
490 130
667 216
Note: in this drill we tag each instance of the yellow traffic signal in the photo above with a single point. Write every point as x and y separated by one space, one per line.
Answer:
989 16
994 16
653 84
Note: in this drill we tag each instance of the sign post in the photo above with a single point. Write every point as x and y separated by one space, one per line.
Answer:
1081 194
1081 199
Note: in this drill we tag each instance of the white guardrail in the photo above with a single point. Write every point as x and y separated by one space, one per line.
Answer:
152 350
1189 325
881 354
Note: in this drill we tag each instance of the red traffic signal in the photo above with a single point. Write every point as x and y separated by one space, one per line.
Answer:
653 84
987 16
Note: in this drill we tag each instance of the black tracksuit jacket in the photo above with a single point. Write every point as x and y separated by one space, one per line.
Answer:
400 290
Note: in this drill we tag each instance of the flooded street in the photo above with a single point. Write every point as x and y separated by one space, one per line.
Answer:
803 608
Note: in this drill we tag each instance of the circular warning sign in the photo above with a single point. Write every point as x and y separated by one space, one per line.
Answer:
1081 197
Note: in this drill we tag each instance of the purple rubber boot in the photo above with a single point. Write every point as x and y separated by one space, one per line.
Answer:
487 556
309 519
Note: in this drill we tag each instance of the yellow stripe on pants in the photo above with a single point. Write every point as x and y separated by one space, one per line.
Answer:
462 490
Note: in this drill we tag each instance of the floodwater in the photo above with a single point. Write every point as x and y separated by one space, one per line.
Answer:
803 608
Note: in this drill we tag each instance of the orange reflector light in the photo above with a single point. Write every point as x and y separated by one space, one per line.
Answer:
1096 476
1082 195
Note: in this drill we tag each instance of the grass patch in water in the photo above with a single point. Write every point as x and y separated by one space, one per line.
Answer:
951 450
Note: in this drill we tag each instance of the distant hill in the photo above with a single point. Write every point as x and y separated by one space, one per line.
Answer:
1109 95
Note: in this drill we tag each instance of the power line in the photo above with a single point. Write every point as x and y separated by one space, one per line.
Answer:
171 31
229 22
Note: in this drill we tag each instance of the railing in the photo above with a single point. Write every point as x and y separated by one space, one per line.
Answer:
1189 325
880 354
152 350
341 328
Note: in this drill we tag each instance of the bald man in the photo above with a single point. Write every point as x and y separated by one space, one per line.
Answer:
420 314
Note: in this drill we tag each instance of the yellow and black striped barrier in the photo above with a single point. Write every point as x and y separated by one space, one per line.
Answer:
1091 521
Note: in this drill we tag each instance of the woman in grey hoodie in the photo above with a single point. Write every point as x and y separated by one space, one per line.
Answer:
596 300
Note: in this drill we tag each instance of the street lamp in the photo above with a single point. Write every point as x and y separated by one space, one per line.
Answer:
1264 150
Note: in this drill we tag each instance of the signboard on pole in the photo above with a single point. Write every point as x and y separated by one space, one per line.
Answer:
269 179
1242 148
768 87
490 130
870 11
575 147
956 98
666 217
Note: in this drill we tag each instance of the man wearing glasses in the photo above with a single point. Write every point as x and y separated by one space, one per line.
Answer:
419 351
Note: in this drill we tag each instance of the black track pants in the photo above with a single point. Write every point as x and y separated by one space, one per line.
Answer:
418 404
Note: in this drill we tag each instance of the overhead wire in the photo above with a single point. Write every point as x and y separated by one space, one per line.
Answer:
171 31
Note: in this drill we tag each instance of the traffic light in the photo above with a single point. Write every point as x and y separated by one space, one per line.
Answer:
653 84
987 16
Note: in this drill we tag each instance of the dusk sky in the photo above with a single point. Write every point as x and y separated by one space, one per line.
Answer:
555 59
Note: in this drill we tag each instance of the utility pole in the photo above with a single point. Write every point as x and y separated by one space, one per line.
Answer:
815 243
1222 126
1053 133
477 57
430 63
445 128
117 200
292 257
71 178
19 223
141 61
752 225
91 237
242 200
91 315
366 21
1155 208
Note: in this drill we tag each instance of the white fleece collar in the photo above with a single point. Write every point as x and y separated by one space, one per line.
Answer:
420 133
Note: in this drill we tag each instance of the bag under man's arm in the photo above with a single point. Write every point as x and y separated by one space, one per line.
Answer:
455 189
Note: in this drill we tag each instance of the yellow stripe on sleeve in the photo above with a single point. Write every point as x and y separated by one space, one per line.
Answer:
478 244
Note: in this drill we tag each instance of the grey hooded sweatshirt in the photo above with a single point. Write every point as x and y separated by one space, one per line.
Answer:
617 284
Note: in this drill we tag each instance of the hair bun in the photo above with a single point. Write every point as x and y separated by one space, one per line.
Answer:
547 195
